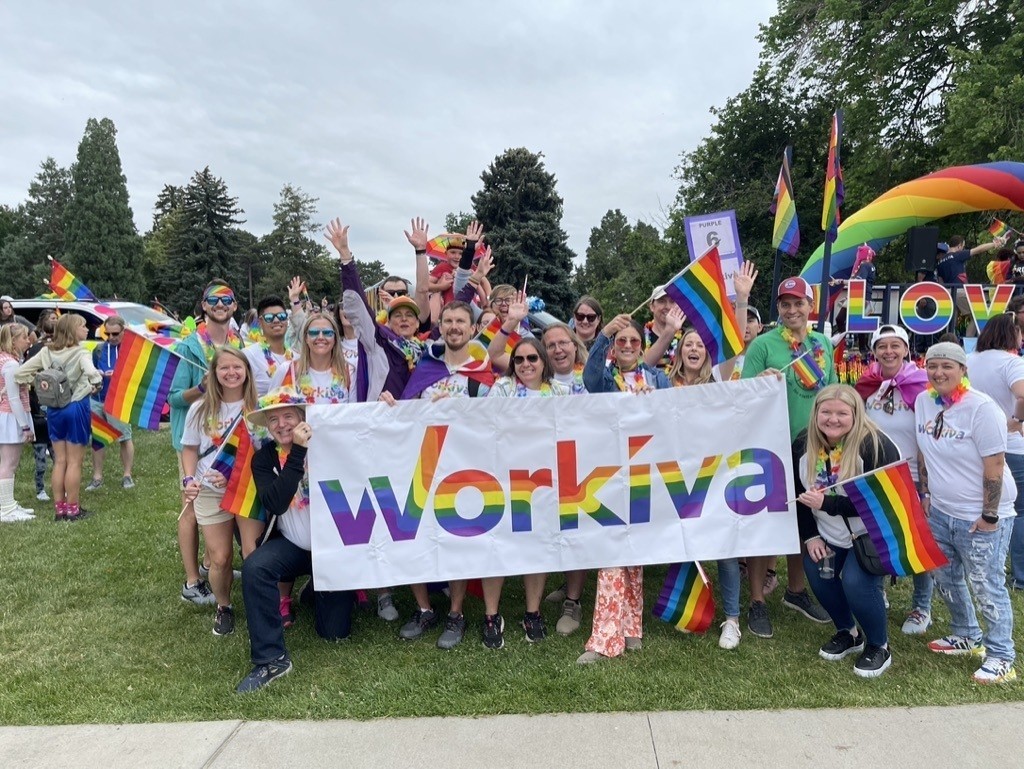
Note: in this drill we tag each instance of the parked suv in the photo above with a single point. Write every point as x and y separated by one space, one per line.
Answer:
95 313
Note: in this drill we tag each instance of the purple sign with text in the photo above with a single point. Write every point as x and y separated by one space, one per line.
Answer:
707 230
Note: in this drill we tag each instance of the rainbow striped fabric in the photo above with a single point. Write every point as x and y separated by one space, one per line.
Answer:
67 286
888 504
834 191
685 600
103 433
700 291
234 462
141 381
999 229
786 230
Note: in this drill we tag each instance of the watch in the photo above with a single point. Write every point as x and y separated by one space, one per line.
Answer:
186 481
990 518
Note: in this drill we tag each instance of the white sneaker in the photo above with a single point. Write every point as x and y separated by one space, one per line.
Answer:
42 496
917 622
730 637
22 508
15 516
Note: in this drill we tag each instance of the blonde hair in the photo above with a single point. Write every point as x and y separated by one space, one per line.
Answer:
8 333
581 349
64 336
338 364
209 408
862 430
675 373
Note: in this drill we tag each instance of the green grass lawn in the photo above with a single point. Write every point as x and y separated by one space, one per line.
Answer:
93 630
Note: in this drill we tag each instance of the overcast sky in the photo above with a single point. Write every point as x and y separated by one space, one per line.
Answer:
382 110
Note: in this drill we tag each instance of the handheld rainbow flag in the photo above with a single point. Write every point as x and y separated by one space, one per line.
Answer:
66 285
141 381
888 504
834 192
786 230
999 229
234 462
437 248
103 433
685 600
700 291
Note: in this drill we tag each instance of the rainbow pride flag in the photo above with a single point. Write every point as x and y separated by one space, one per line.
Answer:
834 190
437 248
103 433
786 230
888 504
141 381
234 462
685 600
66 285
700 291
999 229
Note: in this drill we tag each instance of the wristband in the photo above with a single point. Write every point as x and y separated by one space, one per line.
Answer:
26 429
201 388
186 481
990 517
296 303
420 251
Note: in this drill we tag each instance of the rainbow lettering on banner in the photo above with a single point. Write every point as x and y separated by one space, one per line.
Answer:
403 524
700 292
575 495
103 433
981 309
888 504
689 502
141 381
999 229
857 320
639 482
685 600
943 313
67 286
234 462
522 484
448 516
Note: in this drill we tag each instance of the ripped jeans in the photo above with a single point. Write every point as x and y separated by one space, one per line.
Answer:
976 561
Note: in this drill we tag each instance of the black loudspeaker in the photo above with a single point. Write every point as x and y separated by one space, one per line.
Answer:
922 245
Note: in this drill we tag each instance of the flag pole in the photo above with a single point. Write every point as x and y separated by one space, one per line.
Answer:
826 260
204 369
858 477
776 279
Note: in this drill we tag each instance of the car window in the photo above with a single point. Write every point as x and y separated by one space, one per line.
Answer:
138 314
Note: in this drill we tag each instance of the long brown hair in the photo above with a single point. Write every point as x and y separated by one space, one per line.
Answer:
64 336
338 364
213 398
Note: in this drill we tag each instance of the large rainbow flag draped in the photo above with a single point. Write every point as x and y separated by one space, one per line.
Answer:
685 600
834 192
700 291
66 285
141 381
786 230
103 433
234 462
888 504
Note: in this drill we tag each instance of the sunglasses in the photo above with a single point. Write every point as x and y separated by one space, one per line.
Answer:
213 301
889 400
326 333
531 358
398 292
586 317
626 342
270 317
113 334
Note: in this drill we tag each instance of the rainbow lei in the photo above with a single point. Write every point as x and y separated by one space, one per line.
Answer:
809 370
639 383
209 348
301 499
268 356
953 398
337 393
522 391
670 353
826 468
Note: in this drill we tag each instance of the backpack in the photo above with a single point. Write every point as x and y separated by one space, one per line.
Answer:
52 386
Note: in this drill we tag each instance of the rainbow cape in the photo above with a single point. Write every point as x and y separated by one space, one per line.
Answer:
834 191
103 433
685 600
998 271
999 228
786 229
234 462
700 291
141 381
66 285
888 504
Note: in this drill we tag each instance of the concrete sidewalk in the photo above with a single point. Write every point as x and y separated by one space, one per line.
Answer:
962 736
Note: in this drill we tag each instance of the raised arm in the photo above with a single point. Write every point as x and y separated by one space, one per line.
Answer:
418 239
675 320
743 282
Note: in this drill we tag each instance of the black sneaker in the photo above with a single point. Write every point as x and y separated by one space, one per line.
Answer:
873 662
224 622
842 644
757 620
534 626
262 675
420 623
454 629
494 631
802 603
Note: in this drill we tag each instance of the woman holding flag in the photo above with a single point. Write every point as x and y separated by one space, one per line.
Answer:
208 425
841 443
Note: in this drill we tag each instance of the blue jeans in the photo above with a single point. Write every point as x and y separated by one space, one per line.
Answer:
278 560
1016 464
922 599
852 597
729 583
977 560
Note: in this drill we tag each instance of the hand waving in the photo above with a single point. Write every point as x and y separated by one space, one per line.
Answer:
418 238
337 234
743 280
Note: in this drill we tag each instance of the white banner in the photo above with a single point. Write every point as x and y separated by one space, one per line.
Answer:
463 488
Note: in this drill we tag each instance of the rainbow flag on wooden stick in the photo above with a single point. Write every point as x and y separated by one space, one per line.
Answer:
103 433
66 285
141 381
234 462
685 601
888 504
700 291
999 228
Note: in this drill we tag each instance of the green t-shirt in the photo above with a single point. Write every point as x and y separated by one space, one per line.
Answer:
771 351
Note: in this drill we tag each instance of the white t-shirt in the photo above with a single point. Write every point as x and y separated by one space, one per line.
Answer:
322 388
350 352
971 429
994 372
196 435
900 425
294 524
261 376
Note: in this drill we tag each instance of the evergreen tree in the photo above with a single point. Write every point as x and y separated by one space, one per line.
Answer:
102 246
522 216
292 248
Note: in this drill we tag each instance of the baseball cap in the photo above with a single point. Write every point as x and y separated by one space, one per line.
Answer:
657 293
404 301
886 332
752 312
795 287
947 351
942 248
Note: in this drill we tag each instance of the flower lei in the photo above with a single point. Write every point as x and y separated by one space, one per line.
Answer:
670 352
209 348
809 370
639 383
338 394
301 499
522 391
826 468
411 349
948 401
268 356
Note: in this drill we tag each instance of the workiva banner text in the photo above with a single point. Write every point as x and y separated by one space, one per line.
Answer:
425 492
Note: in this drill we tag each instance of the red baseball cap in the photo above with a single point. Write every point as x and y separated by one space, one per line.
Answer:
795 287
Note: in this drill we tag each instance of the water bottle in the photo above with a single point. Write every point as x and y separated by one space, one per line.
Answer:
827 565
